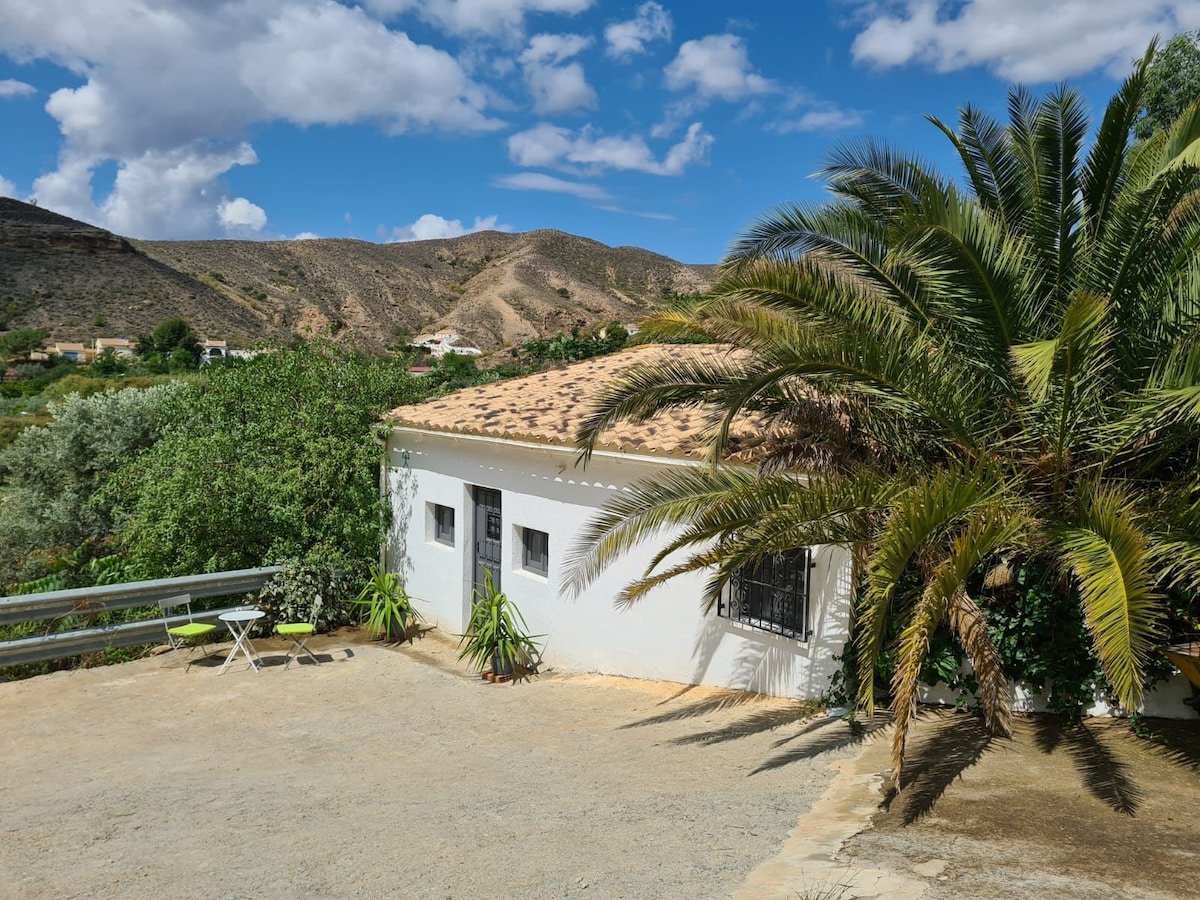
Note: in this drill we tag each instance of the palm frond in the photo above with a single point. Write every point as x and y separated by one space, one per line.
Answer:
1103 173
1109 557
987 530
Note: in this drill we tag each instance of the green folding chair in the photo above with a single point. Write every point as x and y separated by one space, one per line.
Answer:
187 635
299 633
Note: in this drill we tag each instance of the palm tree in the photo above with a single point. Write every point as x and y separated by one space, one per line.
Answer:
948 377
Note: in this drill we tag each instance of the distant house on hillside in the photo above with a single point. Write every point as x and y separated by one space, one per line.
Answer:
118 345
439 343
485 479
211 350
70 350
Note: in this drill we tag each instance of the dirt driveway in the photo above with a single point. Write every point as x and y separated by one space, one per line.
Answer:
1083 812
392 773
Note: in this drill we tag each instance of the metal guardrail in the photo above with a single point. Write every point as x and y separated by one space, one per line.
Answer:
47 605
91 640
85 601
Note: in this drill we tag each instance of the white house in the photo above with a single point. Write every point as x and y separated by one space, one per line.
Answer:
487 478
213 349
118 345
439 343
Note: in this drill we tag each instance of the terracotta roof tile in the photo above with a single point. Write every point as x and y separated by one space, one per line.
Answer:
548 406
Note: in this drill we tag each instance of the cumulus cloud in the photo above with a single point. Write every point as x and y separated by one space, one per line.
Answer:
331 65
550 146
537 181
240 214
430 227
1023 40
477 16
10 87
159 192
716 66
557 85
306 236
8 189
218 69
629 38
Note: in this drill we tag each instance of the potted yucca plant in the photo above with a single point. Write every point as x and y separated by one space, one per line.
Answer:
389 611
496 634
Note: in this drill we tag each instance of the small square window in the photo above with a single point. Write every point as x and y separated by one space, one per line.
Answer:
535 551
443 525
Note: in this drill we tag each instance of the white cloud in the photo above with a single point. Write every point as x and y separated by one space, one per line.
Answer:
547 145
477 16
557 86
626 39
306 236
430 227
10 87
239 214
8 189
823 118
169 193
218 69
1024 40
536 181
716 66
331 65
657 216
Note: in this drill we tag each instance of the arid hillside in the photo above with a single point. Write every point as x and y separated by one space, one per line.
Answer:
495 288
83 282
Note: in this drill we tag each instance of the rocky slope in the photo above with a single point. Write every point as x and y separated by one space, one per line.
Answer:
495 288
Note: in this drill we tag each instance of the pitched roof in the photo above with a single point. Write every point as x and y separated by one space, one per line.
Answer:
547 407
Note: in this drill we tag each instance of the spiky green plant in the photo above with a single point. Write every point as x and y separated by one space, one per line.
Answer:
389 610
1002 369
496 633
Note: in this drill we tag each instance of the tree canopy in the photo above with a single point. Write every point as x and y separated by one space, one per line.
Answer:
976 379
1172 84
269 459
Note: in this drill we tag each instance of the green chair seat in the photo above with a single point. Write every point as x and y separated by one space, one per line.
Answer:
296 628
191 629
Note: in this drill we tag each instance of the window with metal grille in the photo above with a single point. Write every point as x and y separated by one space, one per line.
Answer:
771 595
535 552
443 524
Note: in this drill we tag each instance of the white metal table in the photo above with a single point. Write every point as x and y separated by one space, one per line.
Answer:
240 622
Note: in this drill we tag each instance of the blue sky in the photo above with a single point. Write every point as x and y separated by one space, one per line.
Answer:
667 125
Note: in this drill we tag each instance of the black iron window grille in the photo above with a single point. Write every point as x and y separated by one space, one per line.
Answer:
771 595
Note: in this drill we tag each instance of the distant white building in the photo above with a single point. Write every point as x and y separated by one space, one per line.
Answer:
439 343
118 345
70 350
212 349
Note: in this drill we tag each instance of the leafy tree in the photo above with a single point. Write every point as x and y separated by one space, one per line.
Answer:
1172 84
108 363
573 346
21 344
453 371
984 378
266 460
51 476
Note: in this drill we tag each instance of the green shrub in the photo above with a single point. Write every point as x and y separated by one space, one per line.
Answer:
290 595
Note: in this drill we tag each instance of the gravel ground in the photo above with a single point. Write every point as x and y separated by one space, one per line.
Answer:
392 773
1070 812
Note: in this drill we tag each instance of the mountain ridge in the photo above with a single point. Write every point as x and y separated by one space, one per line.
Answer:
495 288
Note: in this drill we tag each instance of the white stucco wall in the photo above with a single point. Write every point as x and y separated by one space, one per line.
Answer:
665 636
